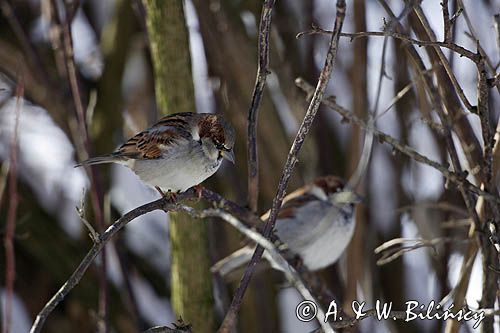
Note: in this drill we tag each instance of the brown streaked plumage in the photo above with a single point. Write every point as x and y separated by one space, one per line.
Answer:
315 222
179 151
329 184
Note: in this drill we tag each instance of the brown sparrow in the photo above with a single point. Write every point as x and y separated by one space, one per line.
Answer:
315 222
179 151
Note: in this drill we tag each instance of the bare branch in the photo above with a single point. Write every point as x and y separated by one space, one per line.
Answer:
446 21
260 82
272 254
397 145
435 44
10 227
395 248
94 235
162 204
324 77
83 141
77 275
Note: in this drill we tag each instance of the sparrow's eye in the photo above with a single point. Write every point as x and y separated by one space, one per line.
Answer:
221 146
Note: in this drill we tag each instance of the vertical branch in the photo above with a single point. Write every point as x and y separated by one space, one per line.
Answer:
484 116
304 128
83 138
192 296
446 21
355 252
448 96
489 258
10 260
260 82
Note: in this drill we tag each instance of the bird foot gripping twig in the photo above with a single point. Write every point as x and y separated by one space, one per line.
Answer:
169 195
199 191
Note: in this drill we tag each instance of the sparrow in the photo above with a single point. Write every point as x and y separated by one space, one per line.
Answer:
178 152
315 223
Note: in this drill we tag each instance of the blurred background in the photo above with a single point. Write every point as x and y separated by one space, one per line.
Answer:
43 136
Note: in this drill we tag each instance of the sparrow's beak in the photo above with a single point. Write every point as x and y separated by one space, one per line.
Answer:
228 155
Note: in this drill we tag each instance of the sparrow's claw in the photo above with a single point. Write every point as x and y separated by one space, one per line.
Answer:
160 191
199 190
171 196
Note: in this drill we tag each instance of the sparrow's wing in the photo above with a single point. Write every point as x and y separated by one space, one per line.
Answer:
298 220
237 260
233 261
289 208
297 193
154 141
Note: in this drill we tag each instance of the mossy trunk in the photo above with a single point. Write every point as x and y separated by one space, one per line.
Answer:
191 280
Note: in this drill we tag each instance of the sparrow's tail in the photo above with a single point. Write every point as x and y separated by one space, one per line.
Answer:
99 160
234 261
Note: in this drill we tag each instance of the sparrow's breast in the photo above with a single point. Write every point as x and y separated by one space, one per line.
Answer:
179 168
319 233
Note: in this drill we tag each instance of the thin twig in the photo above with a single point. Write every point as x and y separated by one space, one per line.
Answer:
272 255
216 200
395 248
4 175
484 116
80 210
83 135
396 98
10 228
467 138
446 21
324 77
97 247
462 51
474 37
258 91
430 33
444 206
401 147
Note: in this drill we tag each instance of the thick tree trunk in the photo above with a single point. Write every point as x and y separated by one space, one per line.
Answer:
191 280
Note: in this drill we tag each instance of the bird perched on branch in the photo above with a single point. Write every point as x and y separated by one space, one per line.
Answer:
179 151
315 222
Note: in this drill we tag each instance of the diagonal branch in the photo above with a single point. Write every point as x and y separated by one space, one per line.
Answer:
248 219
272 255
455 177
324 77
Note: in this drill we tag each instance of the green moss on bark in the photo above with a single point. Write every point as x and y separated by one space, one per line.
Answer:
191 280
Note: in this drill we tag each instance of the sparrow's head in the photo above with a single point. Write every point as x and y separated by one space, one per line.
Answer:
217 136
334 189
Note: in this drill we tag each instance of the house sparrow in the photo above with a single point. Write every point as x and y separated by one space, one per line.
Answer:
179 151
315 222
